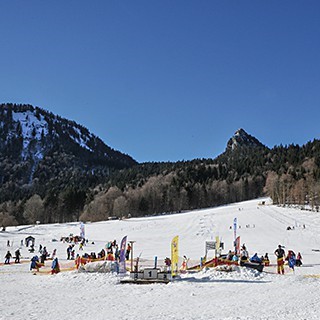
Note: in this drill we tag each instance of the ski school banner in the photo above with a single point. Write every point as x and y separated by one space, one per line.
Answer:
237 245
174 255
123 244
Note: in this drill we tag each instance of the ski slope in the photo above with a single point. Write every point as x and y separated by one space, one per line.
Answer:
209 294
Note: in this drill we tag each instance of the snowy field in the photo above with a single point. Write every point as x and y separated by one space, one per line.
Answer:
209 294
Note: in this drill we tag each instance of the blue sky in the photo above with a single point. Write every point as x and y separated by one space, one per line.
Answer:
167 80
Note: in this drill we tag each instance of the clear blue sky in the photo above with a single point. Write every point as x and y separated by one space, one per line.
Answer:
168 79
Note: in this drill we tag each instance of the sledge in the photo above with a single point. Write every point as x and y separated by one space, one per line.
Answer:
252 265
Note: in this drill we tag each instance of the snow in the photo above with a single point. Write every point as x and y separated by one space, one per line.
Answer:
29 122
81 139
208 294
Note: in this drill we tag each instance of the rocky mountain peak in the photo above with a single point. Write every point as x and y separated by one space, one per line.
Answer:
242 139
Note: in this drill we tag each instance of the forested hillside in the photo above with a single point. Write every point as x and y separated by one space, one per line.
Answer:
54 170
288 174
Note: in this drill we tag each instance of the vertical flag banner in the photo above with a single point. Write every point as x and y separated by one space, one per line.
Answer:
217 246
174 255
217 243
235 228
123 244
82 232
238 245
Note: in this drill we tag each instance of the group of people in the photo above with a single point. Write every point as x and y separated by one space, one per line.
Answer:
110 253
8 256
292 259
36 264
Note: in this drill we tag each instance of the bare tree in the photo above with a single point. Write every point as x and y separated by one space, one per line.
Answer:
34 209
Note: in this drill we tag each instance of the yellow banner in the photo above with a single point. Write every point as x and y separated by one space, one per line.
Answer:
174 255
217 243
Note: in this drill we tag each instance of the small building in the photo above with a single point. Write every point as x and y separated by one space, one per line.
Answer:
29 241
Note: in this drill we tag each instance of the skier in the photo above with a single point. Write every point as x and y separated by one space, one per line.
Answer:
184 265
266 260
54 252
43 256
55 267
229 255
128 251
117 253
280 254
244 254
7 256
17 256
69 249
291 259
167 262
35 264
298 261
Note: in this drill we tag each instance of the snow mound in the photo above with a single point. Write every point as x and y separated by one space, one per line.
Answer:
99 266
230 274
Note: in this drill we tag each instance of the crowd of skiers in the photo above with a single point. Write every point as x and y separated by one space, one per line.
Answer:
111 252
291 258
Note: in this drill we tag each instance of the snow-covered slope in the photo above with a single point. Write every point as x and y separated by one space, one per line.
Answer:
209 294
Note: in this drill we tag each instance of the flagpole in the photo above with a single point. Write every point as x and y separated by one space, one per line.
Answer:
132 242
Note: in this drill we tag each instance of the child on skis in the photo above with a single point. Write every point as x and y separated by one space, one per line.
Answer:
7 256
55 267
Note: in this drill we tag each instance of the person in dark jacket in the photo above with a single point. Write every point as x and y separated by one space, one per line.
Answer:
17 256
7 256
280 254
298 261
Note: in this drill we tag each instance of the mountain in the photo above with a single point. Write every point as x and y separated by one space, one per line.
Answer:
242 139
32 133
54 170
42 152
